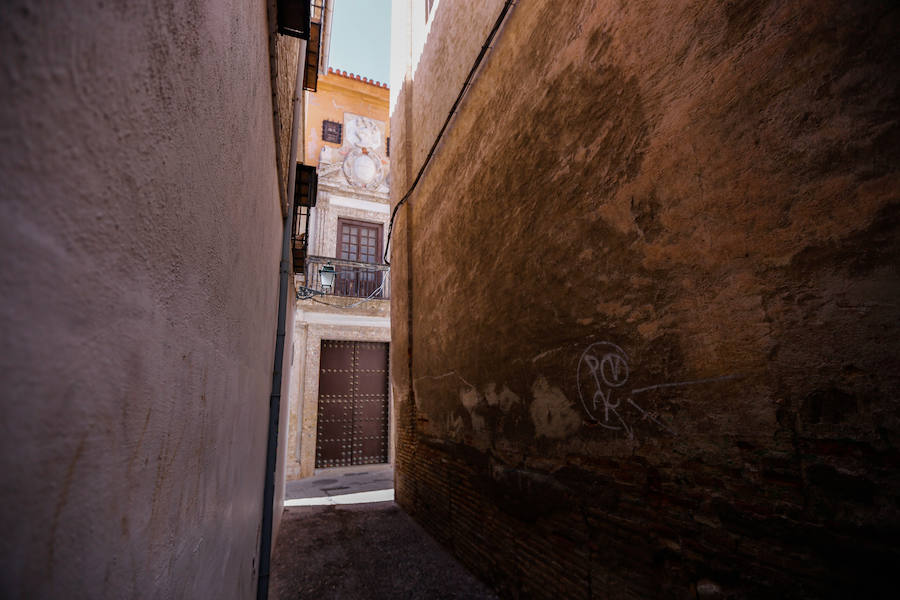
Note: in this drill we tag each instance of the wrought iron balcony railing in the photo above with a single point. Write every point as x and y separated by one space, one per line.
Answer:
353 279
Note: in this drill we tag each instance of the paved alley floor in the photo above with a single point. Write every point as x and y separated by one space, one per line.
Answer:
365 551
334 483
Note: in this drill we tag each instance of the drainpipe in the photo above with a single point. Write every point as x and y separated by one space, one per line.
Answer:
265 544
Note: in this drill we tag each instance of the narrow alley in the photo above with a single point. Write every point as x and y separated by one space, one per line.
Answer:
358 547
519 299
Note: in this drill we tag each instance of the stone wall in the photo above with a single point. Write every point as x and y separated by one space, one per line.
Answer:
141 243
645 318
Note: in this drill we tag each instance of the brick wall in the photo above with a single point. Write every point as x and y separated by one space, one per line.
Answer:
703 192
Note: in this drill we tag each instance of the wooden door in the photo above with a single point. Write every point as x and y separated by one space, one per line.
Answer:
352 424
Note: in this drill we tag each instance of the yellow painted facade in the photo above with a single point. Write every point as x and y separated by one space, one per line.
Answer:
339 93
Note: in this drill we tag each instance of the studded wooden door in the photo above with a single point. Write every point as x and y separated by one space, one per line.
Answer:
353 412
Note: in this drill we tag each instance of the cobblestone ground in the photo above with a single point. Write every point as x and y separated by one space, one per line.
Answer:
364 551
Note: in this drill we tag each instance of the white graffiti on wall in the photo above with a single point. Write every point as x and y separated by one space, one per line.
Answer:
602 373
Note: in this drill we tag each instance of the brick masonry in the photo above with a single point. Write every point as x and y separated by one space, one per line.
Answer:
707 192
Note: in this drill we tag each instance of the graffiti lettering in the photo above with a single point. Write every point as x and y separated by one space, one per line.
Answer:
602 373
605 366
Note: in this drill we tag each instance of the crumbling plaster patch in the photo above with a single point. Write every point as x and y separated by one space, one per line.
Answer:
552 412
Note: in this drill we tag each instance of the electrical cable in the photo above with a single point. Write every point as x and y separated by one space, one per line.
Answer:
462 92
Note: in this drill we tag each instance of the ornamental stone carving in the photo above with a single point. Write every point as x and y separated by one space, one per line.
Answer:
363 169
360 162
363 132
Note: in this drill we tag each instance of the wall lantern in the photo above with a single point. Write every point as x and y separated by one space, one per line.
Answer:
326 276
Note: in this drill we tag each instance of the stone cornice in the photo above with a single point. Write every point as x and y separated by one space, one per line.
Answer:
346 189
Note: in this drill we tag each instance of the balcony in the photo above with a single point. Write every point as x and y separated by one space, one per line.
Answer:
352 279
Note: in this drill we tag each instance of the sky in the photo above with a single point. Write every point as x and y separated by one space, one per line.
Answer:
361 38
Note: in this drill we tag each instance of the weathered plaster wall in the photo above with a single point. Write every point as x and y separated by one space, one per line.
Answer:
141 241
437 79
699 190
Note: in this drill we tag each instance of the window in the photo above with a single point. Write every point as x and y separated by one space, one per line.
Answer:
332 132
359 242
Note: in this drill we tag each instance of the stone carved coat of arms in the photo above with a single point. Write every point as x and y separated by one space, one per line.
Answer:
361 159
